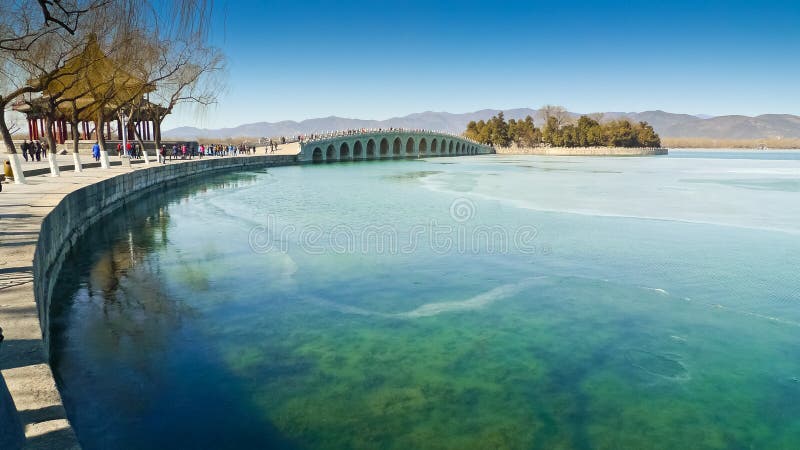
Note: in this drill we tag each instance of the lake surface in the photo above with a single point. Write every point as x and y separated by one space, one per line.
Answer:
450 303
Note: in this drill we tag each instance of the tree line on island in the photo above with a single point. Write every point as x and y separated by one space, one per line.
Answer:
560 131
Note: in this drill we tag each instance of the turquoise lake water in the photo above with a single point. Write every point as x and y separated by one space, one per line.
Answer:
514 302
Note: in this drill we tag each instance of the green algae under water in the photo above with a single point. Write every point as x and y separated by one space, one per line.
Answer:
656 305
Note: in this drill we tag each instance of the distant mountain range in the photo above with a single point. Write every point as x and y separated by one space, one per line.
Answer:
667 125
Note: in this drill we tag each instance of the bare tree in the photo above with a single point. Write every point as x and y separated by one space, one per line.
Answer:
172 58
193 81
31 50
597 116
18 33
180 66
558 112
66 14
33 53
64 68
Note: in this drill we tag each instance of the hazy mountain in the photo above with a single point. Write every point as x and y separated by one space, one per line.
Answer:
666 124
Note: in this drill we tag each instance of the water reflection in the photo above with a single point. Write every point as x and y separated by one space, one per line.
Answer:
128 355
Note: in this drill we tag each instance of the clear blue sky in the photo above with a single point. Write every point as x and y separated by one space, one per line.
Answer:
294 60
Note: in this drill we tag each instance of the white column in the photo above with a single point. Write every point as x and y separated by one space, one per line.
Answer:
104 160
16 167
52 160
76 158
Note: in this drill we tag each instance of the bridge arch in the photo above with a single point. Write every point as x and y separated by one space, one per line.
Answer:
330 153
317 156
458 148
410 146
344 151
434 143
358 150
423 147
371 149
384 151
396 147
450 150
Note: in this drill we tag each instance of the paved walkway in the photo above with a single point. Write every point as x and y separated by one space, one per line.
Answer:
24 372
42 167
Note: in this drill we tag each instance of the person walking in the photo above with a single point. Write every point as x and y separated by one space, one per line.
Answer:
25 148
38 151
96 151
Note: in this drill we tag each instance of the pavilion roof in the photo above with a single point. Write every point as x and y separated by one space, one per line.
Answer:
37 107
91 77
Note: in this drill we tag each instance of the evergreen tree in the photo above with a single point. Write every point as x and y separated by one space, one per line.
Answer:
530 136
472 130
484 134
499 126
646 136
620 133
551 133
513 132
587 132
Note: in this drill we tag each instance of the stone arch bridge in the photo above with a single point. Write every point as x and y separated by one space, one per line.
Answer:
387 144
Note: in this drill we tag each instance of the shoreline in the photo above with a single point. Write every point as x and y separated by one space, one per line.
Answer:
582 151
735 150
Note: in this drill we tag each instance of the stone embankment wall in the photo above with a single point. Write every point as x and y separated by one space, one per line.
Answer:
82 208
581 151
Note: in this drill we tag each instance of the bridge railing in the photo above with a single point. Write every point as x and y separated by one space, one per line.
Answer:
316 137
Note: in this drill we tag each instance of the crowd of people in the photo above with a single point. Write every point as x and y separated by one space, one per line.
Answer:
351 132
357 131
188 151
35 150
182 151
